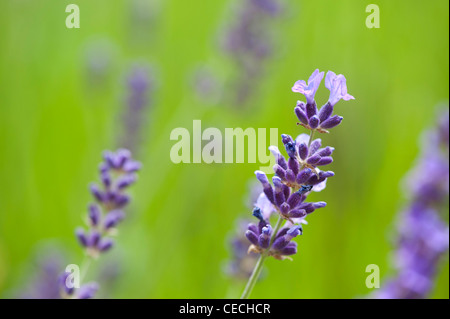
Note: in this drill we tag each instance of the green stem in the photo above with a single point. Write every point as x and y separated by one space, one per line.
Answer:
85 267
311 135
259 264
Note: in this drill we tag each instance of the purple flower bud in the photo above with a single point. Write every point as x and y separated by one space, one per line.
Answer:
327 151
284 208
94 238
113 218
280 243
314 121
308 207
252 237
126 181
290 149
262 177
325 112
279 190
301 115
290 249
319 205
325 161
301 105
297 213
290 176
99 195
123 155
294 166
286 138
66 286
132 166
303 176
105 244
264 238
87 291
121 200
94 214
106 179
315 145
109 158
279 171
294 231
303 151
279 158
313 159
81 236
332 122
294 199
103 167
311 110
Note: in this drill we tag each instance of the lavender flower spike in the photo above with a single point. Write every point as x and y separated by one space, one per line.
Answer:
423 234
294 179
309 90
117 173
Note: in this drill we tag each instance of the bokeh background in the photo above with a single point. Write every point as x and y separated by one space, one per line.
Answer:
63 93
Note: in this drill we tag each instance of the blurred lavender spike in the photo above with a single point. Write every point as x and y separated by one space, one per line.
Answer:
117 172
140 87
43 283
247 41
423 236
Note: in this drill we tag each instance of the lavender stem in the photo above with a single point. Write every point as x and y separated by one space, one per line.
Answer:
85 267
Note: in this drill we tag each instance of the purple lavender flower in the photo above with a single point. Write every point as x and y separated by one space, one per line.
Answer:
242 262
43 284
260 236
309 90
68 291
295 178
140 87
423 236
117 173
337 84
248 43
308 114
290 205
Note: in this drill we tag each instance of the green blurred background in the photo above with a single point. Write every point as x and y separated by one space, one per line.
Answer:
54 124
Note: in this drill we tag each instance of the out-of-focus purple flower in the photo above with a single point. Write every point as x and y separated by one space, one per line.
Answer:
247 41
68 290
423 236
308 114
242 262
117 173
309 90
140 89
87 291
44 281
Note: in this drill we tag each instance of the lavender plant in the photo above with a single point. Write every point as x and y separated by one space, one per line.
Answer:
295 177
117 173
423 236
